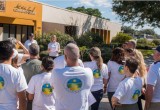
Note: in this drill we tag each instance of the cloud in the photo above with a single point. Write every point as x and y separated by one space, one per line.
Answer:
94 3
88 3
104 3
113 13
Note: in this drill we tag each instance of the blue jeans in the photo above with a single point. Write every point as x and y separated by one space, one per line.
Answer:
98 96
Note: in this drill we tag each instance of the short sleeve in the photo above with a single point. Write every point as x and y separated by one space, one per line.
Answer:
53 78
20 56
36 42
31 85
91 99
121 91
48 45
21 84
104 71
25 44
152 76
58 45
80 63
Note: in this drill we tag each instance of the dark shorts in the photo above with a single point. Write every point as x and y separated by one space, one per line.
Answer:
98 96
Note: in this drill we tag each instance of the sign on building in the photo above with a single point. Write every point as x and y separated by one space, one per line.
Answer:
2 5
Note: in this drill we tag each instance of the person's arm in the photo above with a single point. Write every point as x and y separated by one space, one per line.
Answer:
105 82
22 100
151 82
25 50
114 101
149 95
59 49
105 77
49 49
30 96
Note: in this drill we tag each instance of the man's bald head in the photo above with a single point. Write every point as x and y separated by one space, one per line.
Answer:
72 52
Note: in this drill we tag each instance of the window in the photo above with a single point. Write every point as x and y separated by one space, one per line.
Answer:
71 30
5 31
12 31
24 33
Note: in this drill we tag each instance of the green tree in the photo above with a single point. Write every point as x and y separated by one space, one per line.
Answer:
127 30
121 38
147 31
89 11
139 12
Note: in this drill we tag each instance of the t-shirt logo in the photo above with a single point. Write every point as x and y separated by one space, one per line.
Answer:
136 95
121 69
74 85
1 83
47 89
96 73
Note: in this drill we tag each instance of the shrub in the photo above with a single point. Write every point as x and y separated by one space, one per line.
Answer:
121 38
145 44
43 40
156 42
89 39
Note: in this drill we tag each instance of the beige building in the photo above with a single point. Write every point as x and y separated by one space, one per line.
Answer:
20 18
76 23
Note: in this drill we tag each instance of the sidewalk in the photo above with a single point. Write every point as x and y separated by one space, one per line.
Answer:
104 105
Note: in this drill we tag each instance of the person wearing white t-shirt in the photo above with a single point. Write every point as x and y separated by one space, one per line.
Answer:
30 41
12 82
73 83
115 71
39 88
153 83
59 62
100 73
54 47
128 91
22 57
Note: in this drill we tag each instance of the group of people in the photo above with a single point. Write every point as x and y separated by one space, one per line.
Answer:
66 83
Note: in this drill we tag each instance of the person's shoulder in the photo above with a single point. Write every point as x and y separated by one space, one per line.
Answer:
59 58
110 62
87 70
37 76
36 61
80 61
138 79
27 41
89 63
57 43
104 65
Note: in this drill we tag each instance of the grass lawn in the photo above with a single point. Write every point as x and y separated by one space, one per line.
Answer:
146 53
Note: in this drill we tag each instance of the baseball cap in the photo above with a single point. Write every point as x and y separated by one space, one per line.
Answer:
31 34
157 48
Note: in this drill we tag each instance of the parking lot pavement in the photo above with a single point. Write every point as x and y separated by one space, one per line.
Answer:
104 105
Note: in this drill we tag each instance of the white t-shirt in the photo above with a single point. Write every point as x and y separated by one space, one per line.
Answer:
72 87
11 82
28 43
59 62
129 90
153 78
54 46
98 75
40 86
117 75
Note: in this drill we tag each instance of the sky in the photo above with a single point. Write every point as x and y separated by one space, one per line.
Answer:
104 6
